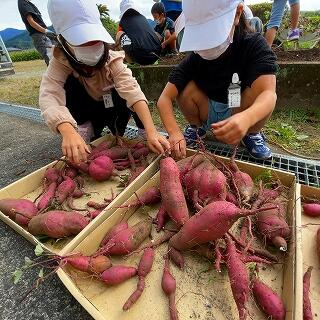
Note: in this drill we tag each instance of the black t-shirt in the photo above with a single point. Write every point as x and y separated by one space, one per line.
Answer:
25 8
141 34
168 24
249 55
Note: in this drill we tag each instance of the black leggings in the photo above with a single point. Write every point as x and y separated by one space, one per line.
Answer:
84 108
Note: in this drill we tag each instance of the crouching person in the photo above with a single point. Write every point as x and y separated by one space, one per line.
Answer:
201 82
136 37
86 86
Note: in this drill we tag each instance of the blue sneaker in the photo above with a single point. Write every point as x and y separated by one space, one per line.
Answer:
256 146
191 134
293 34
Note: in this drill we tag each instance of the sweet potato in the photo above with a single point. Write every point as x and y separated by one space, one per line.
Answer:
144 268
189 163
205 184
113 153
101 168
176 257
117 274
168 285
172 195
113 231
48 196
307 310
149 197
100 147
243 182
65 190
69 172
141 152
127 240
161 218
57 224
89 264
238 277
52 175
273 227
18 210
311 209
81 166
268 300
209 224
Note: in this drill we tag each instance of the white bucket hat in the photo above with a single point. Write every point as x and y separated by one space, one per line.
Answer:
78 21
207 25
125 5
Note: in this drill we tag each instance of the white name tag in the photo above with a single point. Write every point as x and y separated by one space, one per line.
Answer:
234 97
107 99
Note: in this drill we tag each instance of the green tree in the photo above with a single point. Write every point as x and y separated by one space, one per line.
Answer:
110 25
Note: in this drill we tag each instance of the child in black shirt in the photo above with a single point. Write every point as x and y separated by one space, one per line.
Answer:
200 83
164 29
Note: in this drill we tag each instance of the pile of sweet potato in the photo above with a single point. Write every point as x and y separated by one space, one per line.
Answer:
214 209
53 213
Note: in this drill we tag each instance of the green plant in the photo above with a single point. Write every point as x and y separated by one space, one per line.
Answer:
262 10
111 26
25 55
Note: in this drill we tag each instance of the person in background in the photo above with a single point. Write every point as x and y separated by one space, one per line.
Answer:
227 83
37 29
164 29
136 37
173 8
254 22
276 15
87 85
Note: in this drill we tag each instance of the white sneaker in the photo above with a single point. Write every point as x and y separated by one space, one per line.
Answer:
86 131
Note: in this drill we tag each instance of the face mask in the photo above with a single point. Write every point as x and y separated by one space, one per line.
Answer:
214 53
90 55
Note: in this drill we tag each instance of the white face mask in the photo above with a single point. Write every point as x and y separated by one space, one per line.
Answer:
214 53
89 55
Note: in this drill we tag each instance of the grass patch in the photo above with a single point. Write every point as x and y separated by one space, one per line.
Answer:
296 130
23 86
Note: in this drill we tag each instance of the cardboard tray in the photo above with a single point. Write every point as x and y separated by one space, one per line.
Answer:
30 187
308 250
202 293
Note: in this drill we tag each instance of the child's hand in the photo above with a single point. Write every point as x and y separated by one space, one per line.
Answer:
233 129
178 145
74 148
158 143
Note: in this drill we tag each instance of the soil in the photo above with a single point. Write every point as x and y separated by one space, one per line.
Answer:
283 55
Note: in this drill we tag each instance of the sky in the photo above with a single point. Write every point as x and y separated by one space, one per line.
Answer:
10 17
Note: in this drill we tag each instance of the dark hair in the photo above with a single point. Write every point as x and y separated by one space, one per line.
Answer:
82 69
243 25
158 8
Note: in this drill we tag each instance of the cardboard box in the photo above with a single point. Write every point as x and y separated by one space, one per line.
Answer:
202 293
308 251
30 187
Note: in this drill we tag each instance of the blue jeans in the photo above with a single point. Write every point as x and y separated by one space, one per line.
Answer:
277 12
217 112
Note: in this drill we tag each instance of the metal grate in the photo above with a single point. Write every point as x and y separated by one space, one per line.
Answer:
306 171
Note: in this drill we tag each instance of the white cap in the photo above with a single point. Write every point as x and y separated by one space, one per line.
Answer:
207 24
125 5
78 21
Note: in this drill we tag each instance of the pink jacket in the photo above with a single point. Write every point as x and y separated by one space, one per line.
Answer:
52 98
